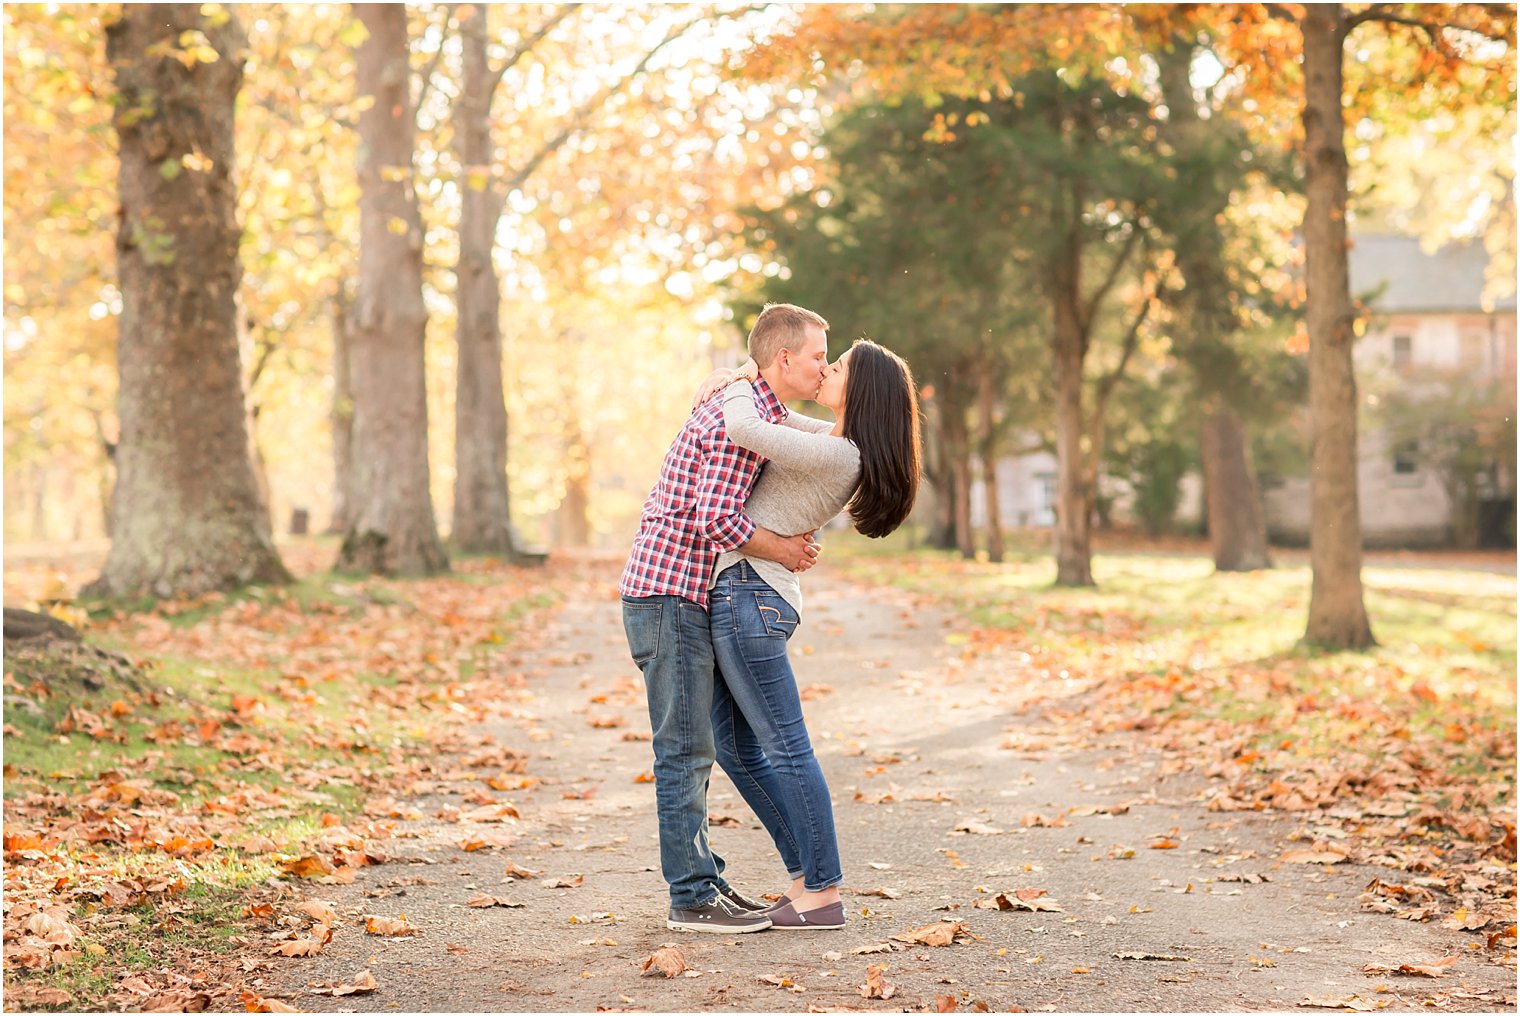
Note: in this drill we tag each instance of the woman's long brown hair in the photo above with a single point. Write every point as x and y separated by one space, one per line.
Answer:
881 419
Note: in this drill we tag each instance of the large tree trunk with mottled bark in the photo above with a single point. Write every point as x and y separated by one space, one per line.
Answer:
1337 614
482 520
186 516
391 528
1237 524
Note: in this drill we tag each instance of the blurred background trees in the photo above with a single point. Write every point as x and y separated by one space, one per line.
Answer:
475 284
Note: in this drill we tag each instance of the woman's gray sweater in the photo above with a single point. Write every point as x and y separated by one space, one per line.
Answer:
808 480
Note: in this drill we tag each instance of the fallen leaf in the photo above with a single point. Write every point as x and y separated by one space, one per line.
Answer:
307 866
940 933
318 911
877 947
393 927
1163 957
886 894
946 1003
979 828
1353 1002
877 985
1326 855
1440 968
484 900
252 1002
514 870
667 960
362 984
573 882
319 936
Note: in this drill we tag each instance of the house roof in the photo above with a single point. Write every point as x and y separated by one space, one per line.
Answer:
1398 276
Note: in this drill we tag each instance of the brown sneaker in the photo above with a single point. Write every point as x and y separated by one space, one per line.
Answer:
742 901
719 917
784 917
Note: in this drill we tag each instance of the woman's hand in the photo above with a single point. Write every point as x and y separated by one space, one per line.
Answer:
722 378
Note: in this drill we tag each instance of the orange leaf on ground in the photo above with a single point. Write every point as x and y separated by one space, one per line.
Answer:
940 933
363 984
486 900
394 927
573 882
667 960
320 935
1325 855
877 985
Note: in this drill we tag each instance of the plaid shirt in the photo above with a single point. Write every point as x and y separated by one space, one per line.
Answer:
696 510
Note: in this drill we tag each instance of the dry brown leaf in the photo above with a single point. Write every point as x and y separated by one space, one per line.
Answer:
1353 1002
940 933
979 828
485 900
485 841
946 1003
393 927
573 882
514 870
1323 855
319 936
1020 900
877 985
318 911
667 960
1162 957
876 947
307 866
886 894
362 984
1440 968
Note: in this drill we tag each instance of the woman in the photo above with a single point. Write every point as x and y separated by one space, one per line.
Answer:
868 465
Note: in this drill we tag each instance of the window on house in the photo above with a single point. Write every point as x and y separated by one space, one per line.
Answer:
1403 350
1406 458
1047 482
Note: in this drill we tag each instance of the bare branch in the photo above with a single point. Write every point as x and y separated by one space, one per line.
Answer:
526 46
426 81
1091 310
578 118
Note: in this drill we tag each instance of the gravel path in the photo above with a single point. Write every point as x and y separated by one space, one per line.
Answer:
915 743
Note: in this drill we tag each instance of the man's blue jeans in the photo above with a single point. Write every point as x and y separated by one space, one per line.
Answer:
671 641
762 725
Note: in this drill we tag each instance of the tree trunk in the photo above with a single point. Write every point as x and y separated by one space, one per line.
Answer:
342 413
1068 348
1337 616
958 456
185 517
482 522
1240 537
1237 524
391 529
937 468
987 405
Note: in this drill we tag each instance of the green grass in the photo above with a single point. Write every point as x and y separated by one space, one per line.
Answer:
1446 653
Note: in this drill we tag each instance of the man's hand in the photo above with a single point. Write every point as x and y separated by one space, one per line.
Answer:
795 553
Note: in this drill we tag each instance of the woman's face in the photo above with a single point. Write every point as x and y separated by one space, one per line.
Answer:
831 393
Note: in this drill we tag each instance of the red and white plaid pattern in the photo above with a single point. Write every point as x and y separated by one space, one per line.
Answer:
696 510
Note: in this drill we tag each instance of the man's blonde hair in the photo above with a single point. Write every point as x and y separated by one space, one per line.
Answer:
780 326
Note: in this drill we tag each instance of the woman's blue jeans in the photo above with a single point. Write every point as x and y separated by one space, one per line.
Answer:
758 726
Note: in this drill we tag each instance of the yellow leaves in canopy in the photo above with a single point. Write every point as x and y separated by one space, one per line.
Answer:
397 225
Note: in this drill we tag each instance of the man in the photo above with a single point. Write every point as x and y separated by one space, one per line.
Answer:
694 512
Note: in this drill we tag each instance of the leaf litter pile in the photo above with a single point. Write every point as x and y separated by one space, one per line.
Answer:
1403 757
164 821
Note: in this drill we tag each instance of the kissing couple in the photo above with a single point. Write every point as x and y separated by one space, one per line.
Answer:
711 595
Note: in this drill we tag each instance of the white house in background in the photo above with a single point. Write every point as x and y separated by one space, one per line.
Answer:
1428 313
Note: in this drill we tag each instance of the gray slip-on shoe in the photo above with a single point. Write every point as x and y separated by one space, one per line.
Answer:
784 917
719 917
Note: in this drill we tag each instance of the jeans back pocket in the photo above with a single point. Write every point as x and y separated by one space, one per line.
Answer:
641 623
777 616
